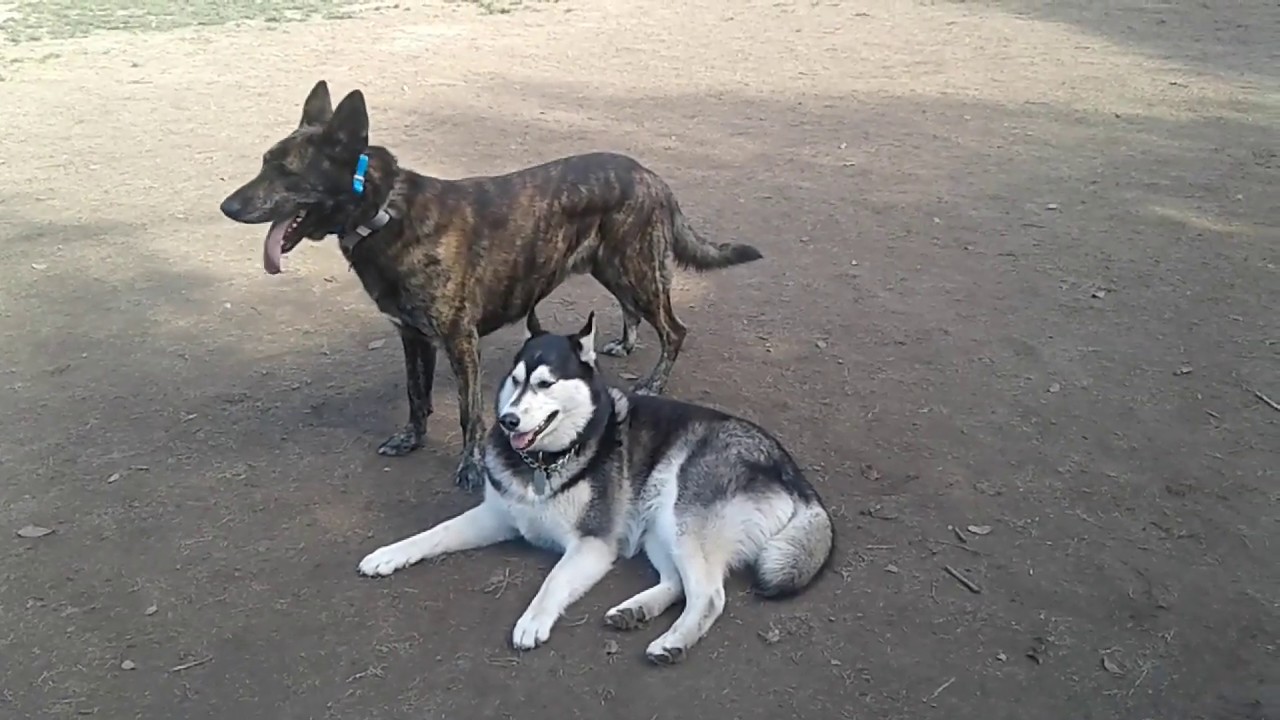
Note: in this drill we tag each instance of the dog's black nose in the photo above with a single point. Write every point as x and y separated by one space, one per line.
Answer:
509 421
231 207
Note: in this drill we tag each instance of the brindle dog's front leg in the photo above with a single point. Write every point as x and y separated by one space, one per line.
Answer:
463 348
420 373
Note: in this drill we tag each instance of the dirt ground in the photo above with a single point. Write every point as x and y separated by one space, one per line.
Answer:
1019 314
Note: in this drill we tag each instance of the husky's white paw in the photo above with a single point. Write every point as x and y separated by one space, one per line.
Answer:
532 629
665 651
386 560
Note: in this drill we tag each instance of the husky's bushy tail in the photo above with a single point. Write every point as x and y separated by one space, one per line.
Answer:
797 553
695 252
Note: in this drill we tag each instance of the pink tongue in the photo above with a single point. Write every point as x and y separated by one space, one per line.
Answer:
274 246
520 441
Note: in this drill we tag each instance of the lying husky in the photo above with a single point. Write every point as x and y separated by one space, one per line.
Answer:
450 261
581 468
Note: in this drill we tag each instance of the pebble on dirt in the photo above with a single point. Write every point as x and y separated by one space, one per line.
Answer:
33 531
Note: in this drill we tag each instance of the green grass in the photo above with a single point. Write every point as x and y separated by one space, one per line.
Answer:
503 7
28 20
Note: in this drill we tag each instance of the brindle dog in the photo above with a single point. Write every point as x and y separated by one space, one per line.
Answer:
450 261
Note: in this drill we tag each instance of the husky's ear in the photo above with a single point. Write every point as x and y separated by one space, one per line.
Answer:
317 109
532 328
349 126
584 341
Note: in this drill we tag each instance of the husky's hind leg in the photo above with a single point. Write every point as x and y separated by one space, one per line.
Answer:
702 570
649 604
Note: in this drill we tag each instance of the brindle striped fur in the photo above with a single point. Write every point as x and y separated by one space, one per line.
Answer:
463 258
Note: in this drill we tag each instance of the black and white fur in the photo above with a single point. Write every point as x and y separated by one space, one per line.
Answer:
700 491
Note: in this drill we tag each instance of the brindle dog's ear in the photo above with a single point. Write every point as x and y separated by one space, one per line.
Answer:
584 341
317 109
532 328
349 126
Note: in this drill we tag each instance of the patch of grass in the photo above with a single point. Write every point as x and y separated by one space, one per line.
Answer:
28 20
503 7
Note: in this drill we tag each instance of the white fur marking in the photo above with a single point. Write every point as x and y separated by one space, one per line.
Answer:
581 567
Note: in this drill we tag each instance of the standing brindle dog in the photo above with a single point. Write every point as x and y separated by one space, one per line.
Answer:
450 261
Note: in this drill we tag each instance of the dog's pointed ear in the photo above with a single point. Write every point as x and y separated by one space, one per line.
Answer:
318 108
532 328
585 341
349 126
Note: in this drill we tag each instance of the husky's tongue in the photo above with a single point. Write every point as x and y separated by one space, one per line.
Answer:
522 441
274 246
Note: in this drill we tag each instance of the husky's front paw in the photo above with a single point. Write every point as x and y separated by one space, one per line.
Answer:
402 443
664 652
532 629
386 560
470 474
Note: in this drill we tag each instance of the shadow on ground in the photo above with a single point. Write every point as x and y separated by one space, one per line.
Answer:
1211 36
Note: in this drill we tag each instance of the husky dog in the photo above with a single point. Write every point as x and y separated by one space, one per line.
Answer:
584 469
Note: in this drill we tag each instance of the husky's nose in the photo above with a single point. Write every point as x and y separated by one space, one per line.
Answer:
509 421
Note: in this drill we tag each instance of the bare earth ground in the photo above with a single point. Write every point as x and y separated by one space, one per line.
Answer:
1021 273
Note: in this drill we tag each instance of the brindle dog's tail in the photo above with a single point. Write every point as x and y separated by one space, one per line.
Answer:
697 253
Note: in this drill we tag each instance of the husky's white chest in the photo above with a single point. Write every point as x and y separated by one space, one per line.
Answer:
549 523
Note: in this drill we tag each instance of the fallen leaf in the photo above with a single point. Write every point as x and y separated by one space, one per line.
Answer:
113 477
1001 656
1099 294
33 531
151 610
772 636
39 266
1112 666
1184 370
128 665
377 344
1051 206
979 529
822 344
628 376
891 568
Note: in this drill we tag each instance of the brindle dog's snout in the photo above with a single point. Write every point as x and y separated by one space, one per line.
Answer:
509 421
232 207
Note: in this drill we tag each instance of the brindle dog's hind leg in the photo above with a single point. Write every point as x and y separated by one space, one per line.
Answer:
420 372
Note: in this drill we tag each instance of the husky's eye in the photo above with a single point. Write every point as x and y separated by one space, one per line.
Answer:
544 384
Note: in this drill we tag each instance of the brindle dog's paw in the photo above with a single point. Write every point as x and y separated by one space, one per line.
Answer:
470 475
625 618
648 387
618 348
402 443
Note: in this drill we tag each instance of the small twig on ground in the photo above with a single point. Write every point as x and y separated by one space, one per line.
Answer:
370 672
966 548
1145 669
938 692
188 666
960 578
1274 405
